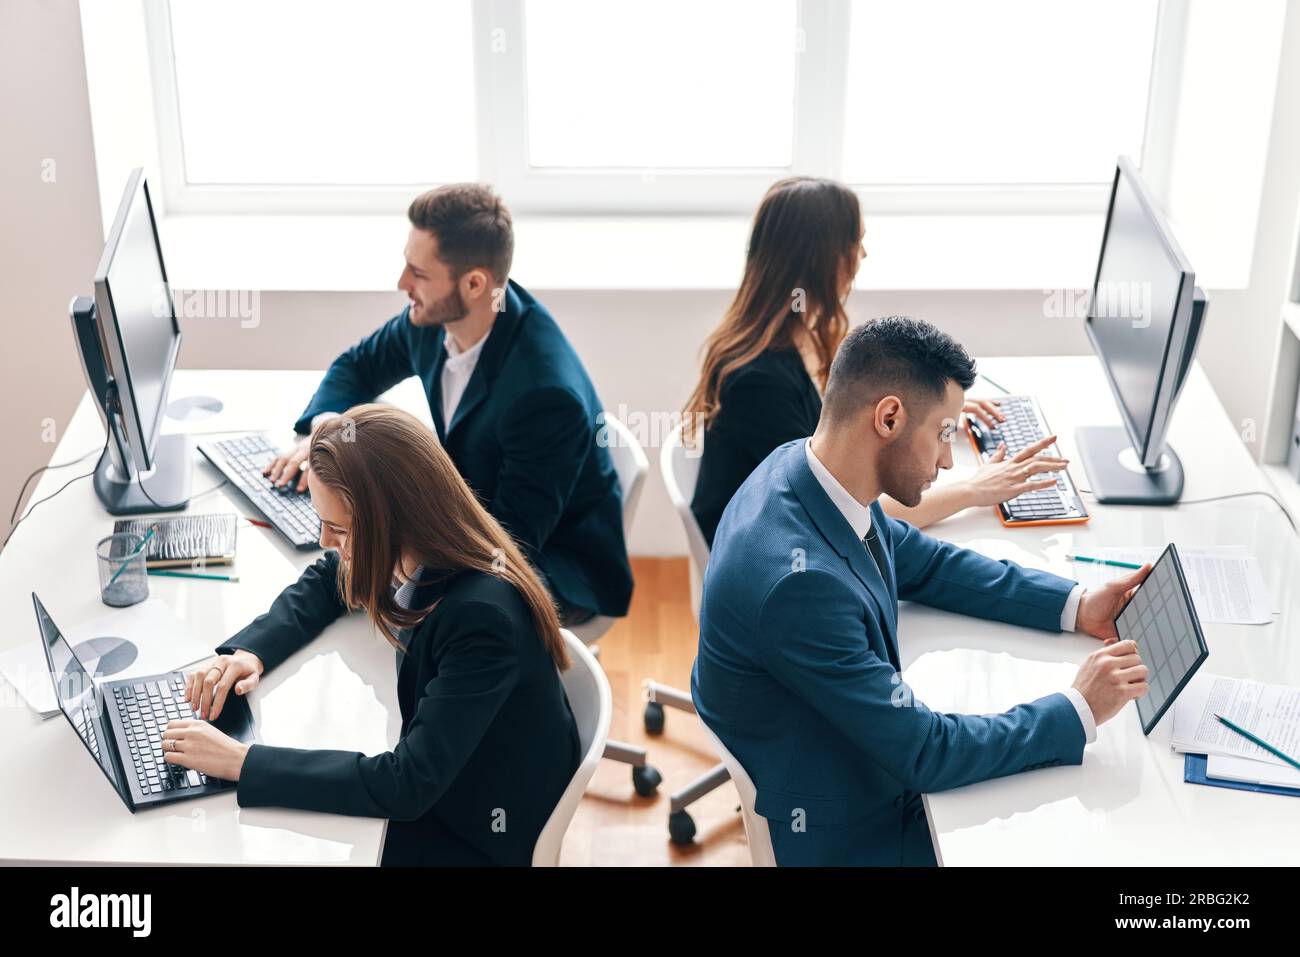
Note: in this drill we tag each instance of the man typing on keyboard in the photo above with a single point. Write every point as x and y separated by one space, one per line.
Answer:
511 402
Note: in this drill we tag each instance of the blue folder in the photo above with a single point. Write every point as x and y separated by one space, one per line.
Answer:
1194 773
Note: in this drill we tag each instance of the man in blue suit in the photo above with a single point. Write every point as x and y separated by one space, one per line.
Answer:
509 397
798 666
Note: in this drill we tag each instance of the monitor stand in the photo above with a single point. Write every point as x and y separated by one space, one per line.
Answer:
1117 476
168 484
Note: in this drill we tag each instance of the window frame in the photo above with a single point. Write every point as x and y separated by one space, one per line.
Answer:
500 91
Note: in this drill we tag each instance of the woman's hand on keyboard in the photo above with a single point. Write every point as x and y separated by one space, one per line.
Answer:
986 410
206 687
1001 479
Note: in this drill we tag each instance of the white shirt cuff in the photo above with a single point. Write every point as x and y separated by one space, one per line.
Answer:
320 417
1071 610
1085 715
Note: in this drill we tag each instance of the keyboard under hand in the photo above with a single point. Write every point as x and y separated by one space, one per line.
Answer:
1025 425
241 459
145 709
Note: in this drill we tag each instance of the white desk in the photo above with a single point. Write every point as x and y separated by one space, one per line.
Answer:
1127 803
338 692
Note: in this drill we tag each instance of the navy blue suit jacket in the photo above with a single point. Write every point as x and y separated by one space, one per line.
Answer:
525 436
798 670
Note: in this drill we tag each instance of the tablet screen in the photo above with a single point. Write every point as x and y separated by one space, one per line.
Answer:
1160 617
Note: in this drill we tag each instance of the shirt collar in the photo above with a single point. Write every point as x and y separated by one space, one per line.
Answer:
405 592
457 358
855 513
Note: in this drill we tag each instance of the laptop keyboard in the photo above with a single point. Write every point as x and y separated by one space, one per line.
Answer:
145 708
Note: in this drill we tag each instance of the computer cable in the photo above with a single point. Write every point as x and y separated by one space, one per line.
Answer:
46 468
31 508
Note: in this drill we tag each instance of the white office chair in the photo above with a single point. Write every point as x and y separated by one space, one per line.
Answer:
681 469
631 466
756 832
587 689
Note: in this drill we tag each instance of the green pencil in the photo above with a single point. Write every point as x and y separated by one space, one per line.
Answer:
166 573
1100 561
127 561
1262 743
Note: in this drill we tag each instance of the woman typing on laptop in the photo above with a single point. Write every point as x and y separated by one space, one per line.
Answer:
486 727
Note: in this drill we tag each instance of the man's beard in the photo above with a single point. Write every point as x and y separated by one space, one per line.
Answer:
900 478
450 308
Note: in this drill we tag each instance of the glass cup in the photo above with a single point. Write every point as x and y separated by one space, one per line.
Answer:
123 578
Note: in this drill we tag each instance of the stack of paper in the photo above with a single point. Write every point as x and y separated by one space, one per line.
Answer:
1270 712
1226 583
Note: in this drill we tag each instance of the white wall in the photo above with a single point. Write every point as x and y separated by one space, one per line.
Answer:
50 234
1239 345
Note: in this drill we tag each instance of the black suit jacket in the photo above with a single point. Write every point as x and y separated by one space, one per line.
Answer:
763 404
526 436
488 742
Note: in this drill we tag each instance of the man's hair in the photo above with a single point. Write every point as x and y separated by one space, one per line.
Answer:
895 355
472 226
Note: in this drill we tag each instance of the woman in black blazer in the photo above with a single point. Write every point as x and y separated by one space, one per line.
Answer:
766 364
488 742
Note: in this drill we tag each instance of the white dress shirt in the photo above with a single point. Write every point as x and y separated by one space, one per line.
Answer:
859 518
456 372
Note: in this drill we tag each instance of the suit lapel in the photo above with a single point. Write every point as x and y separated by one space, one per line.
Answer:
425 596
835 528
490 360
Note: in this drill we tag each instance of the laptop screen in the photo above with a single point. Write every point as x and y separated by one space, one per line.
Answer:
79 698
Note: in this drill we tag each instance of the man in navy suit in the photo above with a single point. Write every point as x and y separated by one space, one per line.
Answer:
510 400
798 667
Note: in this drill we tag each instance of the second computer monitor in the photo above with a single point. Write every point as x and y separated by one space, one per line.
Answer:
129 339
1144 323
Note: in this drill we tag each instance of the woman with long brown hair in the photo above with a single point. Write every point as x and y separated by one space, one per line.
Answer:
488 742
766 364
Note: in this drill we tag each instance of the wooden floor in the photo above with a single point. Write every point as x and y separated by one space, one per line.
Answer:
613 826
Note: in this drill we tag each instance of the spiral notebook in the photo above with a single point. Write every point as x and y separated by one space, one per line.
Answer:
186 539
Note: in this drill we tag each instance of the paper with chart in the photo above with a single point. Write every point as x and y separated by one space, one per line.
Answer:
1270 712
144 639
1226 583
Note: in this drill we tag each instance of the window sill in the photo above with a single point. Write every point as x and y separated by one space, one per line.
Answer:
364 253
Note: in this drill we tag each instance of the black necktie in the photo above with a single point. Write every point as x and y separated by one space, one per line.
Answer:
872 541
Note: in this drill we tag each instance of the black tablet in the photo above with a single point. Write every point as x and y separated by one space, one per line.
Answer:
1161 618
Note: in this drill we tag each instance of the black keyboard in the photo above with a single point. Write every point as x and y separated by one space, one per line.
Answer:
1024 426
145 709
241 459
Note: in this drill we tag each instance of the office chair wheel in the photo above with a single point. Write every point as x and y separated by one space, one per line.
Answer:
681 828
646 780
654 718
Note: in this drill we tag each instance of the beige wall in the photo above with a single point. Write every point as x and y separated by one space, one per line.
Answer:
50 233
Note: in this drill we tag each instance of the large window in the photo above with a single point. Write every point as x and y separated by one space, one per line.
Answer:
324 92
664 106
1010 92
